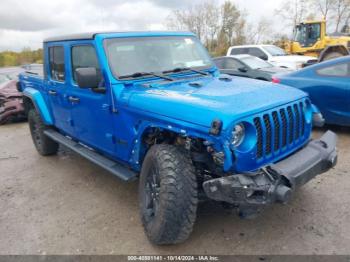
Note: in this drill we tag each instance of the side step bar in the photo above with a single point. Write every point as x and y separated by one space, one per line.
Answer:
113 167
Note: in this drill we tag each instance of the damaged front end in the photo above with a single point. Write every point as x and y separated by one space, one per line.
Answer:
11 103
250 192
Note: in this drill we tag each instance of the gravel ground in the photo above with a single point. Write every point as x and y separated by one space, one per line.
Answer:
66 205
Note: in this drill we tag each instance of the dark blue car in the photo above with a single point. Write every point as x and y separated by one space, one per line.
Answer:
328 85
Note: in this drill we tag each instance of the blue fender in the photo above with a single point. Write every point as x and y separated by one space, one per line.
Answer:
138 151
36 97
317 117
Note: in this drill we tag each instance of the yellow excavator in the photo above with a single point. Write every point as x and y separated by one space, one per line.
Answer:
311 39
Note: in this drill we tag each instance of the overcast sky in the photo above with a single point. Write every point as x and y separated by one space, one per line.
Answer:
26 23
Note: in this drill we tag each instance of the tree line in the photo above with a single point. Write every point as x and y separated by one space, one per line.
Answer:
221 26
26 56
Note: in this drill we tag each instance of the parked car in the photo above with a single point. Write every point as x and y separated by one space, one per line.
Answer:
11 103
328 85
153 105
248 66
273 54
33 68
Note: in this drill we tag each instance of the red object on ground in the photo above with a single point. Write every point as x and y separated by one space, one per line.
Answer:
11 102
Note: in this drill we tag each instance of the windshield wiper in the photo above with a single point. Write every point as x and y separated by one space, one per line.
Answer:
180 69
141 74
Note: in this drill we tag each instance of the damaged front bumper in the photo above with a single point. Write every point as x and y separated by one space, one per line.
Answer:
276 182
12 107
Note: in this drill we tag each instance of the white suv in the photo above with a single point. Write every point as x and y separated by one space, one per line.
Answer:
273 54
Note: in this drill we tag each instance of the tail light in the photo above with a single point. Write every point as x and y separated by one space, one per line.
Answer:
276 80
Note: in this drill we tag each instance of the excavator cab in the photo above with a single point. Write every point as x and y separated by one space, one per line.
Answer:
311 39
307 34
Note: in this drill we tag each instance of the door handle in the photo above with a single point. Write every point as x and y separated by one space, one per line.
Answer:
52 92
73 99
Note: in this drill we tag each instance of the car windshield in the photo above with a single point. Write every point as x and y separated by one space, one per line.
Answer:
255 63
275 50
128 56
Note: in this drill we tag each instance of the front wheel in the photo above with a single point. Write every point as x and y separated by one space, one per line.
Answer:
44 145
167 194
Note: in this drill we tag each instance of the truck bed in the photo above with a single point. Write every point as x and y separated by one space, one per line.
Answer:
31 79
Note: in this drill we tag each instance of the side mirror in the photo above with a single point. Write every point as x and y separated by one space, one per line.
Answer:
263 57
87 77
243 69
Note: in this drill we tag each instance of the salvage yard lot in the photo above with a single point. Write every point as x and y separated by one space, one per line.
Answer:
67 205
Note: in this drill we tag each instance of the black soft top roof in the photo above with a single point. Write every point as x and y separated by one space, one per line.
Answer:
82 36
91 35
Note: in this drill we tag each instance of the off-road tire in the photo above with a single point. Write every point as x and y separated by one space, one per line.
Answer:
174 215
44 145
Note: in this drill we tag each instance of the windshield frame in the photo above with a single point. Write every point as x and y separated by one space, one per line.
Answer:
118 77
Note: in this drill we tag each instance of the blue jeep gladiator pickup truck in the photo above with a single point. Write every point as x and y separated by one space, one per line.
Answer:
153 105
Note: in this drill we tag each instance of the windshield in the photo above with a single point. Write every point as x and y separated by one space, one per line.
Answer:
275 50
256 63
307 34
128 56
299 34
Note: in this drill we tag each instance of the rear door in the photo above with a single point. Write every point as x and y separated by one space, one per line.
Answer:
91 111
57 89
330 91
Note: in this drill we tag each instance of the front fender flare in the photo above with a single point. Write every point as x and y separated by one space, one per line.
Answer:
38 101
138 151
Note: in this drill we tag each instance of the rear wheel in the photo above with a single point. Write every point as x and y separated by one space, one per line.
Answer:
44 145
332 55
167 194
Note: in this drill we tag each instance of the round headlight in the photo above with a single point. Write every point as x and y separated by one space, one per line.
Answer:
238 135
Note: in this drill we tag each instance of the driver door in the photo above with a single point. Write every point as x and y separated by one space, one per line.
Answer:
91 111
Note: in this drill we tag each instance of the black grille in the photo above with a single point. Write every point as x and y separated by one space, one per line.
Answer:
276 123
291 124
259 146
284 127
302 119
268 134
279 128
297 121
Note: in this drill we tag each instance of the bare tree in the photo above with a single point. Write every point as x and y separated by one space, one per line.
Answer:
231 21
191 19
202 19
212 23
342 10
324 7
260 32
216 26
293 11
